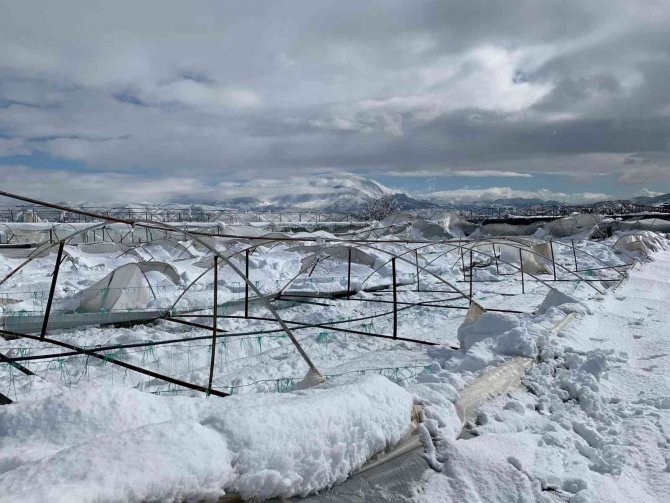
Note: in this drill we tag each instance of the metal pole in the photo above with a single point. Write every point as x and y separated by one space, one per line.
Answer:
395 301
349 274
496 258
471 270
54 278
246 285
523 286
460 248
574 253
214 321
418 280
553 259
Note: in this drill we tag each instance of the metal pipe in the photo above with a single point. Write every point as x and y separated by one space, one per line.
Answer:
471 271
54 279
120 363
349 274
418 280
214 315
395 301
246 285
553 259
523 286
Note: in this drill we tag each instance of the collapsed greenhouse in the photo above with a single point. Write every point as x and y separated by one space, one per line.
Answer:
123 306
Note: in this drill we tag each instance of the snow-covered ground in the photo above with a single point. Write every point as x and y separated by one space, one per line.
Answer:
85 429
592 422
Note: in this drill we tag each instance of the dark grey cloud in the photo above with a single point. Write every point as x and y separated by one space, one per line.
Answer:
226 90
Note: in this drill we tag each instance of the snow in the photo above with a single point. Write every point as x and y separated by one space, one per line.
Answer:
501 334
117 444
591 422
567 303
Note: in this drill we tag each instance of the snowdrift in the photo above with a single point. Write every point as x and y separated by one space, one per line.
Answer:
117 444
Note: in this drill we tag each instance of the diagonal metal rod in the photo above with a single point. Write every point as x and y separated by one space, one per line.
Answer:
395 301
94 354
349 274
195 236
21 368
54 279
246 285
214 321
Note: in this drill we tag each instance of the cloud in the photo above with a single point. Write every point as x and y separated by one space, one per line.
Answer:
492 193
645 192
12 146
137 187
483 173
58 185
220 91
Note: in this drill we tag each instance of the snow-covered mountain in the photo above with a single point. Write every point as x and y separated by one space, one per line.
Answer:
662 199
340 193
336 193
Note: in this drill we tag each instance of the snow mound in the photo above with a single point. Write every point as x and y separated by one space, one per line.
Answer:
157 462
502 334
563 301
124 445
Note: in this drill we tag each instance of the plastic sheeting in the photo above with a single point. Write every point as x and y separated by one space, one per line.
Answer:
642 241
529 258
504 229
127 287
573 225
425 229
340 252
648 224
164 249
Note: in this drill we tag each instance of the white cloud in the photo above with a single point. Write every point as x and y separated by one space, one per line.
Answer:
200 95
645 192
483 79
221 90
490 193
136 187
13 146
51 185
483 173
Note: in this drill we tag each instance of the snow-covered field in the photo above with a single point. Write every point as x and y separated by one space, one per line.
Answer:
591 421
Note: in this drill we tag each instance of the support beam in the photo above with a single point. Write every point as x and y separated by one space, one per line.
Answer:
418 280
553 259
214 318
54 279
114 361
246 285
395 301
349 274
523 285
471 271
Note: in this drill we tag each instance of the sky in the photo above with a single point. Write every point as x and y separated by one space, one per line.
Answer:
161 100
